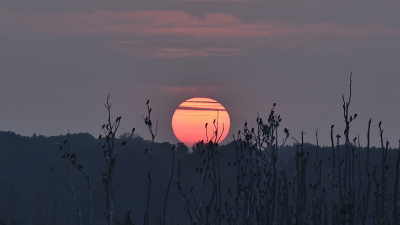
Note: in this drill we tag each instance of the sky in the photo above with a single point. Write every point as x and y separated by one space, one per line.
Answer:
60 60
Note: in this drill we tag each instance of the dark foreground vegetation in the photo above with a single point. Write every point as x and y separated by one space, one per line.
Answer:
255 179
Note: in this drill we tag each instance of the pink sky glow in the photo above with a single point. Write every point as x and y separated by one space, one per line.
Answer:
64 57
138 27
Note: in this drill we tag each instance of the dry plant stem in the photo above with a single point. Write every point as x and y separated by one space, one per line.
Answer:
339 215
73 195
238 177
110 154
72 188
149 123
325 208
257 196
383 207
346 114
153 134
90 194
80 168
209 208
66 156
317 189
192 219
110 164
334 208
287 215
301 178
215 146
169 186
72 158
396 189
366 198
89 189
349 180
146 212
359 208
274 172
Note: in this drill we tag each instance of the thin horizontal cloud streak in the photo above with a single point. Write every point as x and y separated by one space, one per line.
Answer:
193 90
212 102
216 0
202 115
199 108
178 53
227 34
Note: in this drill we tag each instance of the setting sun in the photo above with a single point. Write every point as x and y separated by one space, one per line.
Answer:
188 121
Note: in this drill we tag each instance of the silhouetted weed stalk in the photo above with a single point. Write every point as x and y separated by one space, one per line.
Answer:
72 158
207 199
111 152
265 194
149 123
337 190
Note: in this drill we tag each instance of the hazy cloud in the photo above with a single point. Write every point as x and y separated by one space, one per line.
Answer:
163 34
174 24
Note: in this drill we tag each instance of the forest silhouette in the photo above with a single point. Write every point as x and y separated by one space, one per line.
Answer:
258 178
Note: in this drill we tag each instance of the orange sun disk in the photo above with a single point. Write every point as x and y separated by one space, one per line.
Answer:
188 121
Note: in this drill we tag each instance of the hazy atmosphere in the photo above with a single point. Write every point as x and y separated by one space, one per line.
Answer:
199 112
60 60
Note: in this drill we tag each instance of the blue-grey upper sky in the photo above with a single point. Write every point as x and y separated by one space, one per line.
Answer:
59 60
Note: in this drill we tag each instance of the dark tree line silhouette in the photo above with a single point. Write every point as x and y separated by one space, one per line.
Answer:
255 179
